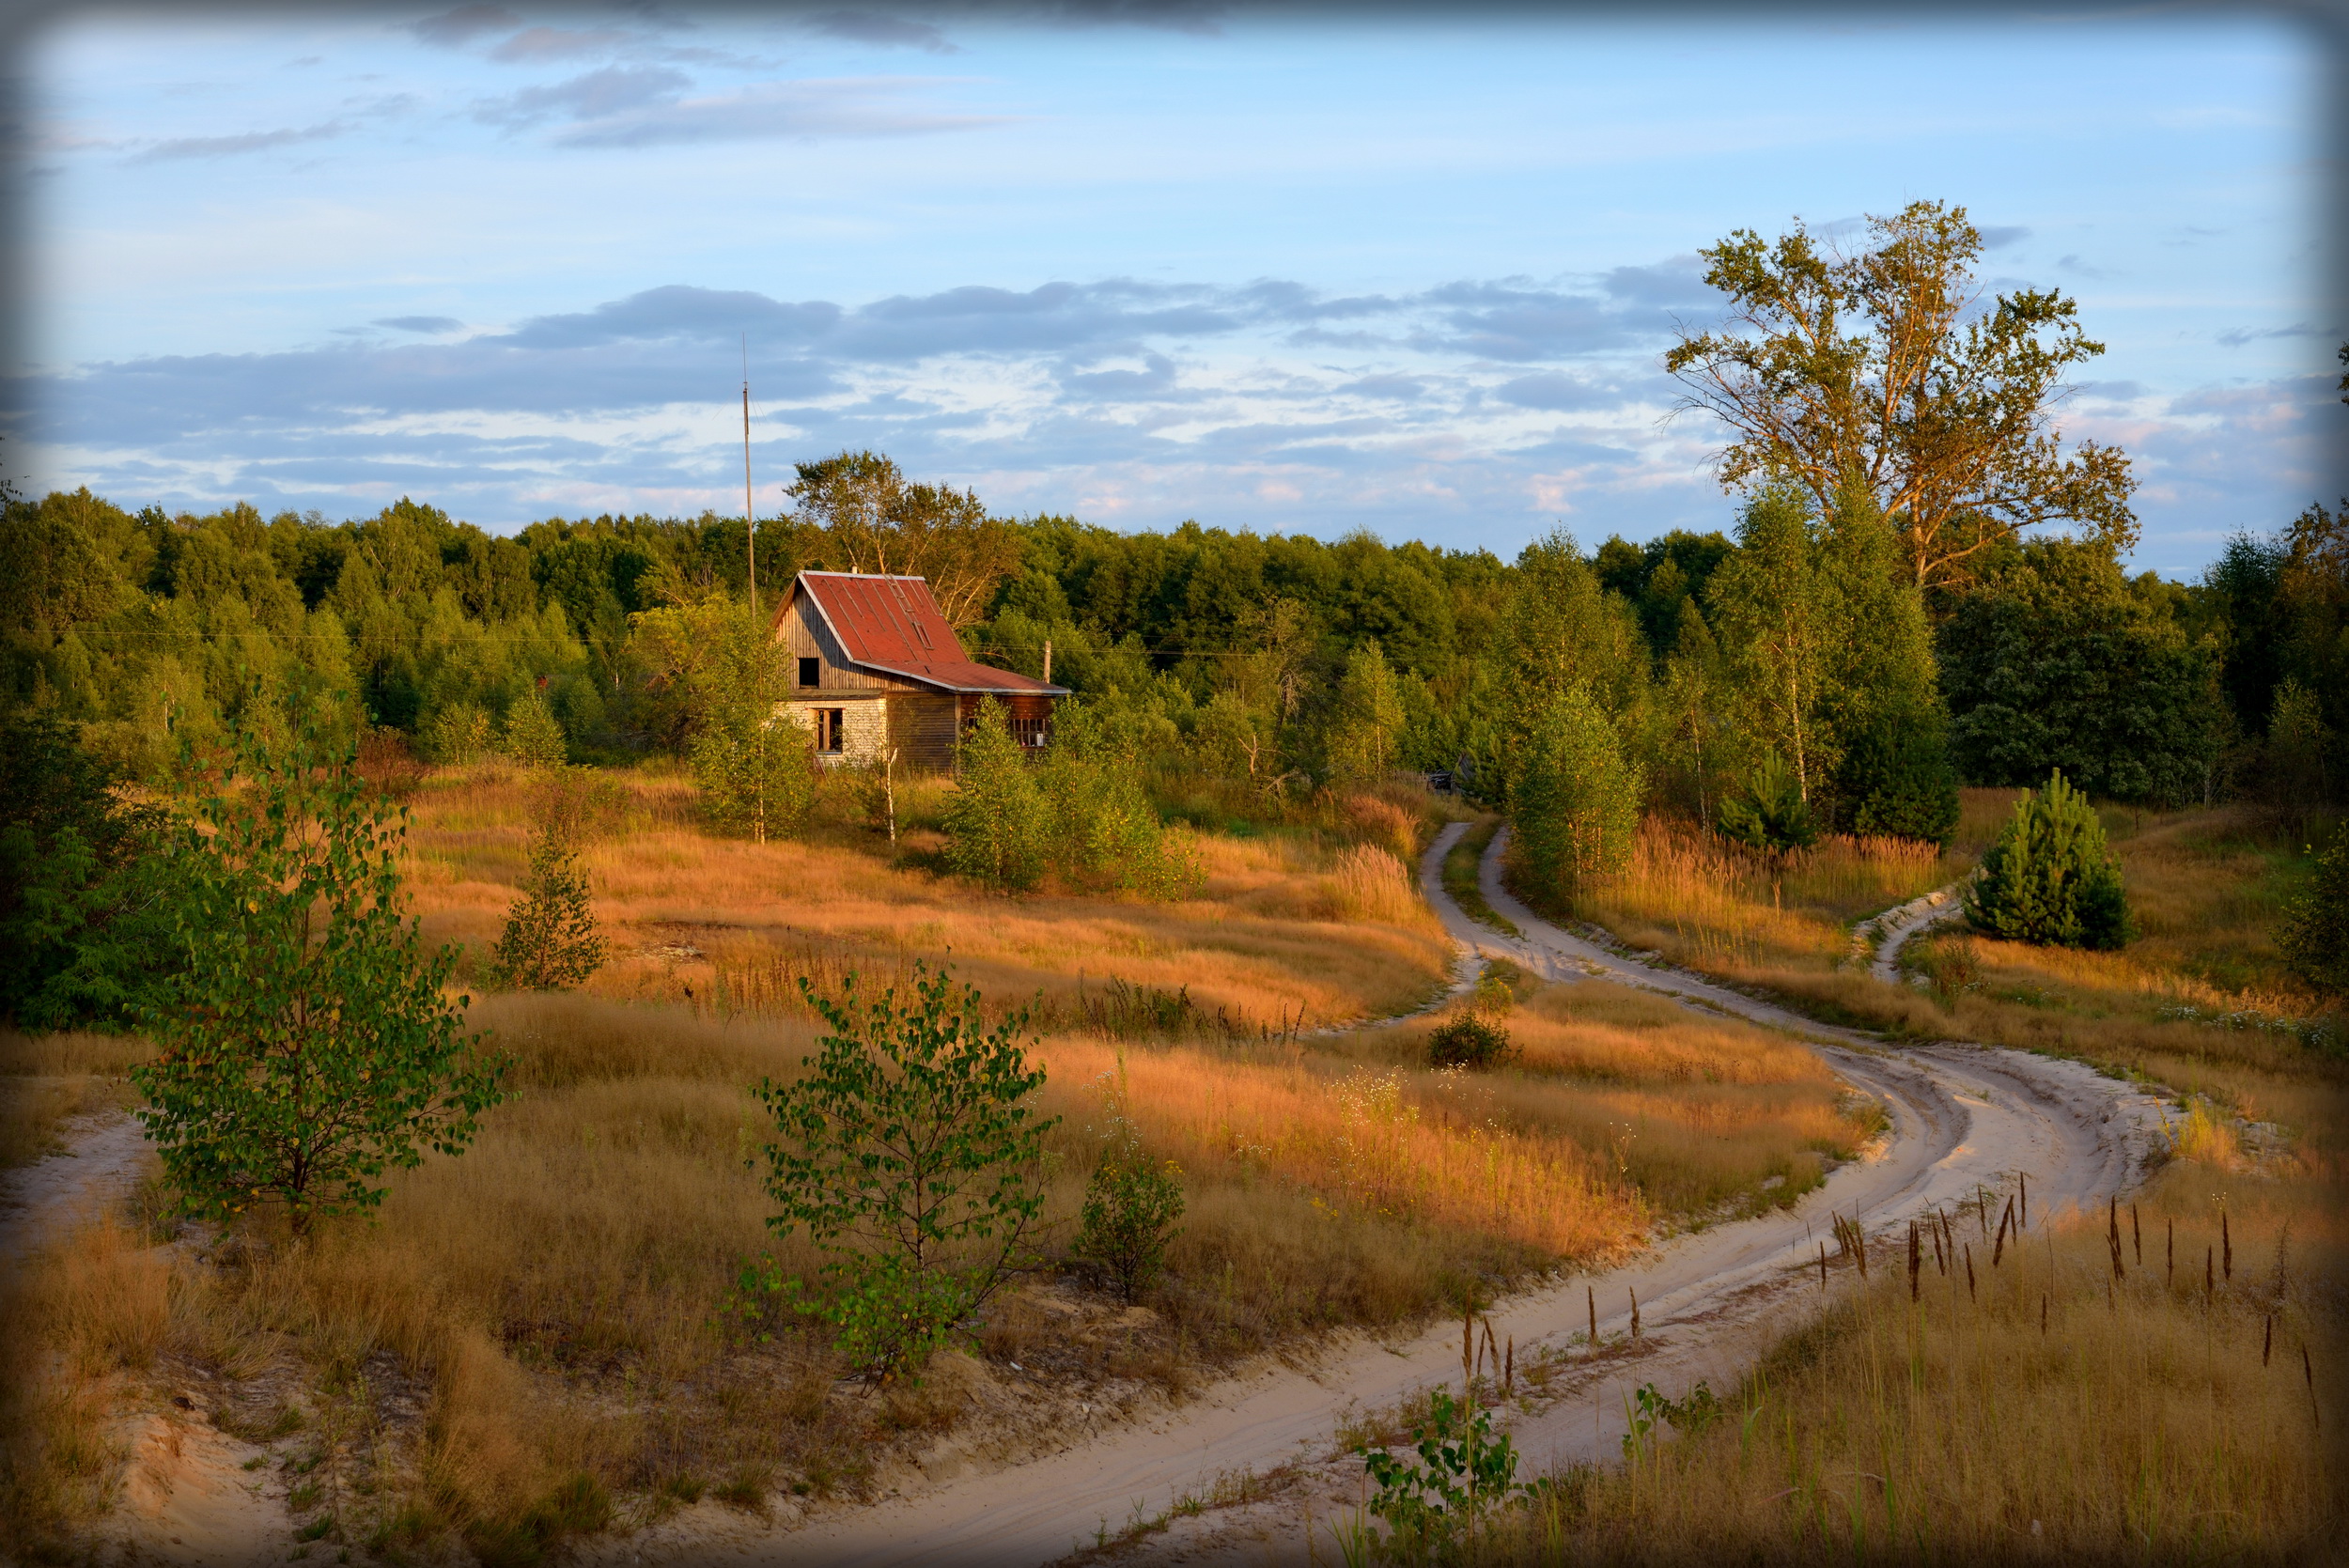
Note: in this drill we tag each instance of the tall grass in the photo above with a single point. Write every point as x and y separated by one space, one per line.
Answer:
2075 1408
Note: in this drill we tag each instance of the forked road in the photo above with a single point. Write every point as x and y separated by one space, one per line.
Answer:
1962 1117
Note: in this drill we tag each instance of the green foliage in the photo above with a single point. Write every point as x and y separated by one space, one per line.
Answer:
1458 1473
1769 813
755 766
998 822
1366 724
1574 798
2296 762
1131 1202
552 941
2314 934
1468 1040
913 1157
534 736
1897 779
304 1047
82 902
1649 1408
458 734
1100 827
2050 880
2059 662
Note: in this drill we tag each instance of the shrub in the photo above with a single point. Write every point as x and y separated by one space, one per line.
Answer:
552 942
458 734
1468 1040
2049 879
307 1045
2315 931
1770 814
997 821
1131 1202
534 738
913 1157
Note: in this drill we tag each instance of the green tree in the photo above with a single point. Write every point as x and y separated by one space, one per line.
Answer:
874 519
552 942
534 736
1897 780
1876 364
998 820
911 1154
305 1046
1573 799
83 902
2296 759
1366 721
2057 662
754 765
2314 934
2049 879
1769 813
1775 619
1100 826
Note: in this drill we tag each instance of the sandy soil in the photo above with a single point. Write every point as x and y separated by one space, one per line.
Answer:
1893 930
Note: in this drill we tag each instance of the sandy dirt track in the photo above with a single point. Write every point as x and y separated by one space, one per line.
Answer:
1963 1117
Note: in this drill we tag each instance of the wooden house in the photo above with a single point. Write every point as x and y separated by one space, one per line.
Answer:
873 661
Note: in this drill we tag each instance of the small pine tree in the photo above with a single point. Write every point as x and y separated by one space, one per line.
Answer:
2049 879
1898 779
1769 813
997 821
534 738
552 941
2315 932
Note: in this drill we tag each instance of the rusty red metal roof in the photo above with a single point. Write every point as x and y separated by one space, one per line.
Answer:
891 623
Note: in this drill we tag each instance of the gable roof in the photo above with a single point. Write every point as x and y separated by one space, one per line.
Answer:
892 624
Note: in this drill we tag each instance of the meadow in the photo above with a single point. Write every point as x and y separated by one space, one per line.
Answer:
529 1341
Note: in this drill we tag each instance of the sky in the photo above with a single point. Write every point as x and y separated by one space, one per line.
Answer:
1410 272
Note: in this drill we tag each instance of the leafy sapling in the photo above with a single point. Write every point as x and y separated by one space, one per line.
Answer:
911 1154
304 1044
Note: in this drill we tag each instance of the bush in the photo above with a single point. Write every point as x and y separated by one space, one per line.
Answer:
1771 813
2049 879
1898 779
913 1155
2315 931
1131 1202
1470 1040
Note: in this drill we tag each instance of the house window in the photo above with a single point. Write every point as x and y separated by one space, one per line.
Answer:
810 671
830 731
1030 732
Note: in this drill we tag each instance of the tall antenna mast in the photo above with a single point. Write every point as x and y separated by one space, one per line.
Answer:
749 517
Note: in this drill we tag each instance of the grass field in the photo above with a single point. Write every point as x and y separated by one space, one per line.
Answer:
527 1342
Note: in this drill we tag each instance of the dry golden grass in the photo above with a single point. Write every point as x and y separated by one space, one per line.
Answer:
1286 927
46 1080
2054 1416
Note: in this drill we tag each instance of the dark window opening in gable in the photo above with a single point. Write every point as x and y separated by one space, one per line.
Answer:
810 671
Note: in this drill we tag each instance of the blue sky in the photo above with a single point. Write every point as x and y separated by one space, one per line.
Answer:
1261 268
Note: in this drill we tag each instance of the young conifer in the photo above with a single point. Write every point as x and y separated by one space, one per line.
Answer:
2049 879
552 941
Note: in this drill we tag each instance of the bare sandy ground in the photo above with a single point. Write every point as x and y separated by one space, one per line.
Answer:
1963 1119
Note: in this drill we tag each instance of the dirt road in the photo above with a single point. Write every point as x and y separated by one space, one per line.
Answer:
1962 1117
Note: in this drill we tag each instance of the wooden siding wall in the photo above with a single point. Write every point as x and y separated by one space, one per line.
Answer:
921 727
803 632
